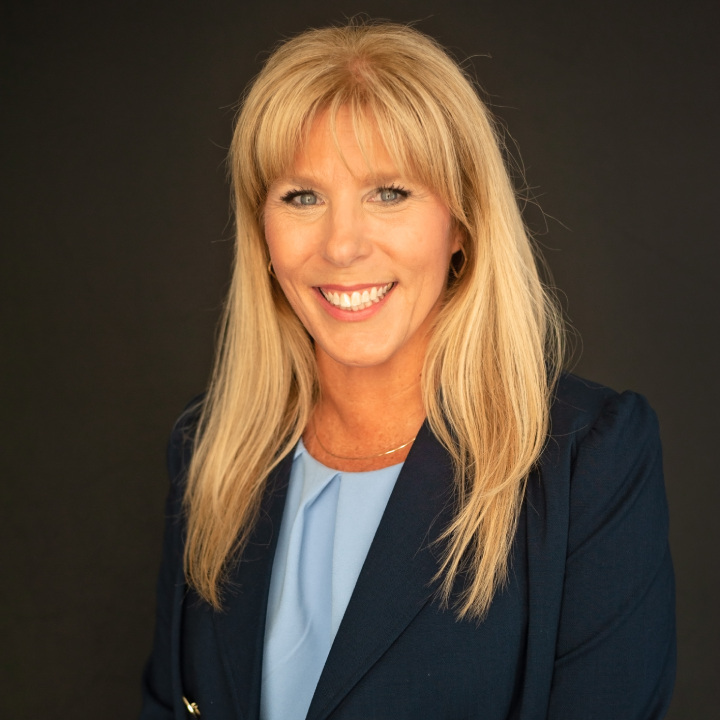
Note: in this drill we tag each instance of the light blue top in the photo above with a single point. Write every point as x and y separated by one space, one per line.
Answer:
328 524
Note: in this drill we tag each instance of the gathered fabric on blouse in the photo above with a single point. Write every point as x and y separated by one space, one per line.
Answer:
328 524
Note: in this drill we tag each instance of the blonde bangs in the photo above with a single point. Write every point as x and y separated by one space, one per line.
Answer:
414 122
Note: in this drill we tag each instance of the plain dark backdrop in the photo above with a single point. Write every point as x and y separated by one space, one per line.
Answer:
115 253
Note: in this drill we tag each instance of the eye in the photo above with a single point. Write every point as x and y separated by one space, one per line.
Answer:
302 198
392 195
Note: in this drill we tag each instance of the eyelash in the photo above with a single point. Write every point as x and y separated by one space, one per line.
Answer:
289 196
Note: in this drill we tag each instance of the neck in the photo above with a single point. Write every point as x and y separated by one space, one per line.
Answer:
363 412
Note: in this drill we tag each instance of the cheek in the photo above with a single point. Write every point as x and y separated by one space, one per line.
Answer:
272 237
430 254
287 264
437 261
290 244
279 246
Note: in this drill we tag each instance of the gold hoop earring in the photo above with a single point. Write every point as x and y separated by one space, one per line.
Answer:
270 270
458 271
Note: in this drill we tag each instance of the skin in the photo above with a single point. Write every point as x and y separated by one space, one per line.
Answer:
344 222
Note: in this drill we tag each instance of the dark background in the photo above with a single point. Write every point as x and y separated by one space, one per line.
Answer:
115 252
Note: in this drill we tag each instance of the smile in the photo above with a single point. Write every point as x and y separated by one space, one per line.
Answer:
357 299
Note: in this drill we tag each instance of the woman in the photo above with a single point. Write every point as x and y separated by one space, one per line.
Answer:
390 504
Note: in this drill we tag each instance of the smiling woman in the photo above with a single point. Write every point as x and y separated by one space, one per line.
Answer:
390 502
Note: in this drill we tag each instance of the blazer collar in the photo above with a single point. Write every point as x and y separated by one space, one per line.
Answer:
395 582
240 628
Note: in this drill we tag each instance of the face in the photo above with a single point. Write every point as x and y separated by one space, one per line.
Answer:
360 250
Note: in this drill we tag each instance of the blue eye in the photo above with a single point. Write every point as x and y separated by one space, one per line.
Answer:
305 198
392 195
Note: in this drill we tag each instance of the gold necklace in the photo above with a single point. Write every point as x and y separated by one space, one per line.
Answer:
365 457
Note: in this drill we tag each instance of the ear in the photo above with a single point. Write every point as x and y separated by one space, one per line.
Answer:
458 257
457 241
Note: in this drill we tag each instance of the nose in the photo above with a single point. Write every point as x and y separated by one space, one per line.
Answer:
347 238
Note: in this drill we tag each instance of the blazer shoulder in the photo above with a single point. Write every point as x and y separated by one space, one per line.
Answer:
581 408
591 423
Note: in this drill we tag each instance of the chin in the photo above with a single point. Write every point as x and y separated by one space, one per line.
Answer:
360 360
358 357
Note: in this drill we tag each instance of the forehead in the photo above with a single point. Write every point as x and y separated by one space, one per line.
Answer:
337 144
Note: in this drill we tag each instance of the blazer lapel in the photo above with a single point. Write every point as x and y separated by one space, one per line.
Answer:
240 628
396 579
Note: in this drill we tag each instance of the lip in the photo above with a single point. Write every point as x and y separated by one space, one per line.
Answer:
352 288
350 315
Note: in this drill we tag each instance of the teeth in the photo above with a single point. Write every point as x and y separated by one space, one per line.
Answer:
355 300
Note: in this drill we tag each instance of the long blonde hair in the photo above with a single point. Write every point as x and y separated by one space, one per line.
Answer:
494 354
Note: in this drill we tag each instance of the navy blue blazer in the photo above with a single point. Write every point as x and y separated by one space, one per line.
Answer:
584 629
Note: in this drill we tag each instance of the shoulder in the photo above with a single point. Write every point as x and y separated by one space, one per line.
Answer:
603 460
599 420
579 405
602 456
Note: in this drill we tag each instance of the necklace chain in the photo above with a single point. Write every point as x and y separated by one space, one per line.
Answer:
364 457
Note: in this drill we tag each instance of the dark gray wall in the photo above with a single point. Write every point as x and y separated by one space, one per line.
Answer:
115 253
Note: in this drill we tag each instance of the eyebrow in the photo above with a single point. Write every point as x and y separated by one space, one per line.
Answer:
376 179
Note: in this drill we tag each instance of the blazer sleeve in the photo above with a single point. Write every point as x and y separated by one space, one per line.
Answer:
615 653
159 685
